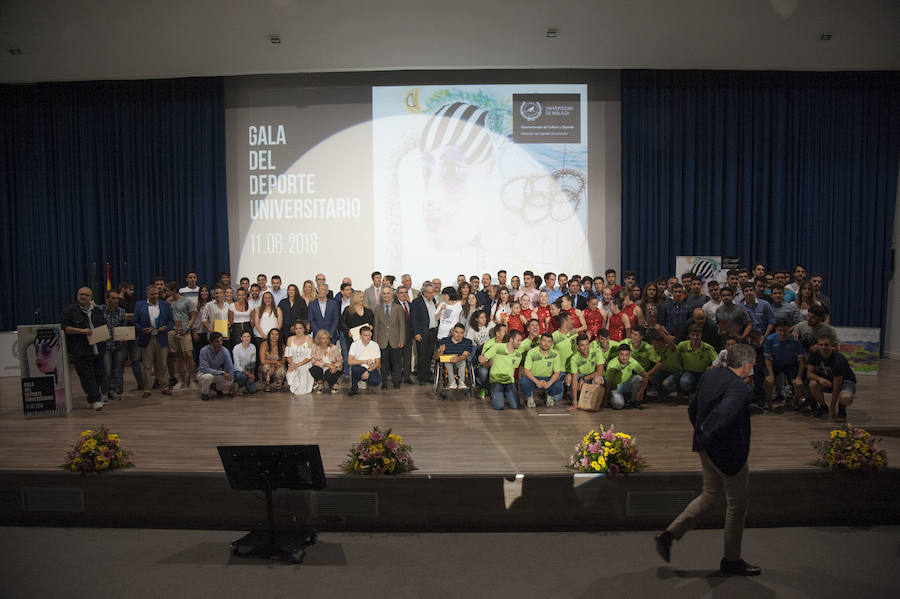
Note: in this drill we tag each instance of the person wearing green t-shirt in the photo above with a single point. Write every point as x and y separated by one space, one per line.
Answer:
623 378
604 347
564 340
665 381
696 356
532 337
542 372
483 370
502 359
585 366
644 353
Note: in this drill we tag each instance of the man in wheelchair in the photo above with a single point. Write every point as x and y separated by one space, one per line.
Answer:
458 348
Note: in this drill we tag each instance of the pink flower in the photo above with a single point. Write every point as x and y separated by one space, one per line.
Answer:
594 447
608 435
390 444
377 436
585 462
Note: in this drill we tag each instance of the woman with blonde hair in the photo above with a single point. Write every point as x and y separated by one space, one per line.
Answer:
326 362
308 293
355 315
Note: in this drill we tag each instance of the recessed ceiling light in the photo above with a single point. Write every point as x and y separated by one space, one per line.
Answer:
274 39
825 37
551 34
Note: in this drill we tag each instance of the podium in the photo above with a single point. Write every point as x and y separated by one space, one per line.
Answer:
268 468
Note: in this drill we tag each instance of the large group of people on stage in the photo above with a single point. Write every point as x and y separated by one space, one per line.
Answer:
534 338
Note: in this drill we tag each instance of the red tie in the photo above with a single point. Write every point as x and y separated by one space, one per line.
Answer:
405 309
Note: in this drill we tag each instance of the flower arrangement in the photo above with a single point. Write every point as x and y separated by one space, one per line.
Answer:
98 450
608 452
379 453
850 448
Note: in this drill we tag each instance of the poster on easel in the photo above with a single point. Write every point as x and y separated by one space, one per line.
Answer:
708 268
44 371
861 346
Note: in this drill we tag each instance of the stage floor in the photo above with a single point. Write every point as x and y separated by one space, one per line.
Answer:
179 433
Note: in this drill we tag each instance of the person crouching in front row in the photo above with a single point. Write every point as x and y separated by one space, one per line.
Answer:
216 368
365 362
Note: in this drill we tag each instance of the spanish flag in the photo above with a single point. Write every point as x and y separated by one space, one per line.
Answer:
108 281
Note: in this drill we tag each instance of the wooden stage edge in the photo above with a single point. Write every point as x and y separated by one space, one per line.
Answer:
479 469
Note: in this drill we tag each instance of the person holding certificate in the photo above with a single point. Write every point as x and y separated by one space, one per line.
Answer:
79 321
152 322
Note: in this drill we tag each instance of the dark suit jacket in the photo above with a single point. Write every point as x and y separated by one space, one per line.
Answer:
142 321
390 330
720 413
77 345
578 302
329 322
418 314
407 319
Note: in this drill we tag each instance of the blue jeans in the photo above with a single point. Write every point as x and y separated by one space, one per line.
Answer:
688 381
665 382
503 393
242 380
356 372
345 349
113 363
483 376
527 386
629 387
133 351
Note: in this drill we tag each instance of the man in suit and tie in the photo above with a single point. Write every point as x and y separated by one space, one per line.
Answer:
390 335
422 314
153 320
406 353
323 313
579 302
372 294
406 281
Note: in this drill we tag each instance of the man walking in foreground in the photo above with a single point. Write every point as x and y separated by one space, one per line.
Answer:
721 417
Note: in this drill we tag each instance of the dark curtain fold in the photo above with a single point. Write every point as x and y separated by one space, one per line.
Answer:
126 172
776 167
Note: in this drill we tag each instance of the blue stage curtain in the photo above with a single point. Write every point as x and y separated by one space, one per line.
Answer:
126 172
776 167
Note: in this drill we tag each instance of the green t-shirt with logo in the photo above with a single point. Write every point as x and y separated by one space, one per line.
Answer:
607 355
565 346
504 364
644 354
671 361
542 365
584 365
618 373
526 346
696 360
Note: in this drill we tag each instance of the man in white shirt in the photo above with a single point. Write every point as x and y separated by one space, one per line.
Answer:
365 362
262 281
528 288
255 298
191 290
799 277
714 303
278 293
406 281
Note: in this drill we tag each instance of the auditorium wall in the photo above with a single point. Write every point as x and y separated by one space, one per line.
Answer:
892 324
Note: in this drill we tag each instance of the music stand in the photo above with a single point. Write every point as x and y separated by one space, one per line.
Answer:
267 468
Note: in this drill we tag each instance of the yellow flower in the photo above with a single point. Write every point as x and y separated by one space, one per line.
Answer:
623 436
87 433
89 445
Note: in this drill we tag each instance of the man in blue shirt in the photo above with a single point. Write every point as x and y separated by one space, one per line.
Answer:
673 314
460 348
216 368
785 359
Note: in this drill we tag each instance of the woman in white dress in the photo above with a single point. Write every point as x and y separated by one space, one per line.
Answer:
299 358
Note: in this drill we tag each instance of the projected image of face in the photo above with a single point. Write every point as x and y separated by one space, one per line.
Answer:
455 151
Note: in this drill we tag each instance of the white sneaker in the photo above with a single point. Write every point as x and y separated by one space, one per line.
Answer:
550 402
530 401
97 405
362 385
453 385
178 386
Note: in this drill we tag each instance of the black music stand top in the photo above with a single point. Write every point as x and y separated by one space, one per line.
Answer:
270 467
